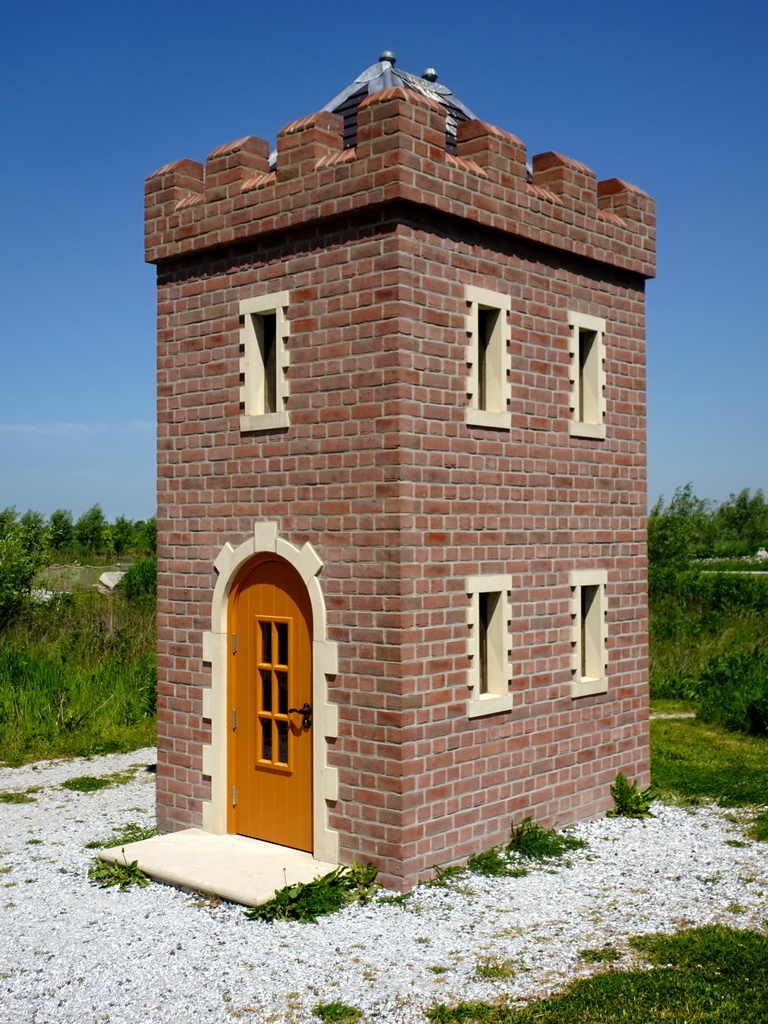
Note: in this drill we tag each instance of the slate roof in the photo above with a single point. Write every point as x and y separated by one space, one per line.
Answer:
384 75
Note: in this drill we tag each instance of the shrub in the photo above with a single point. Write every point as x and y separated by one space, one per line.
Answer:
628 801
140 582
733 691
536 843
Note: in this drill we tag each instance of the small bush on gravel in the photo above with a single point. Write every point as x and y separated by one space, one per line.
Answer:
306 901
494 864
628 800
530 840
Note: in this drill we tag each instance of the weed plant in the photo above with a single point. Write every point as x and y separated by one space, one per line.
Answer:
306 901
123 875
628 801
494 863
337 1013
531 841
759 828
77 677
696 761
122 836
709 975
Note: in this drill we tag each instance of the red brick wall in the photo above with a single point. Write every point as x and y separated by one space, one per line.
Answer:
380 472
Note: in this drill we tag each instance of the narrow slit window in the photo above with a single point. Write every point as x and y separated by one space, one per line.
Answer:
489 392
587 411
265 326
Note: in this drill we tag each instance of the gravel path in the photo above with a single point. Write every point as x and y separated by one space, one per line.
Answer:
71 953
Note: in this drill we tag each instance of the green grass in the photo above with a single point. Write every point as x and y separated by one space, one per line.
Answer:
733 565
672 706
759 828
336 1013
696 617
710 975
16 797
77 677
695 761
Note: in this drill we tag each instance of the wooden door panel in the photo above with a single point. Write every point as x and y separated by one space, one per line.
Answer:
271 672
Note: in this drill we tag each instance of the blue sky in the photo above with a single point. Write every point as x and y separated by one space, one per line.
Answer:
95 96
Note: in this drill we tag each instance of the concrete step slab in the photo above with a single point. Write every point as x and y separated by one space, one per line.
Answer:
234 868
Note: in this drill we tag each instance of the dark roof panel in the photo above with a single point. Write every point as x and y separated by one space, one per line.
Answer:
384 75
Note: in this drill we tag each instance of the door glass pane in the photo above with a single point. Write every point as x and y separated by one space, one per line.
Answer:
282 643
282 737
266 642
282 693
266 739
266 690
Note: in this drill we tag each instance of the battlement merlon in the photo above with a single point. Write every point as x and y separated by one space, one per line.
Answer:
399 157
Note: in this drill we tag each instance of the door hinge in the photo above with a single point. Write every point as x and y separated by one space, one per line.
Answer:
234 718
234 643
234 796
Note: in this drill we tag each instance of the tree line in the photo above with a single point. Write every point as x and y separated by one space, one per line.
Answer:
90 534
31 542
688 528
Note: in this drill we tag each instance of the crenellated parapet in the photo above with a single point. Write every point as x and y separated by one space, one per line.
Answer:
399 157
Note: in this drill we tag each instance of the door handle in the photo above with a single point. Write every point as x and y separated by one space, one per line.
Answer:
306 711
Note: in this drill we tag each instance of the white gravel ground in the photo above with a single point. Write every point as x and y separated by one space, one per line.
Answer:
71 953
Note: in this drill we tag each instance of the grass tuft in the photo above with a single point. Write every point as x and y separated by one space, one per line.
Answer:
336 1013
122 836
86 783
759 828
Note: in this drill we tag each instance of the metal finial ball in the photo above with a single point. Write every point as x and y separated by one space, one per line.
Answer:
389 57
429 74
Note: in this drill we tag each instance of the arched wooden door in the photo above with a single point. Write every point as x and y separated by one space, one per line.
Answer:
270 677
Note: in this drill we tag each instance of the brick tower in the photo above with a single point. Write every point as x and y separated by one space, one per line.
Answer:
401 483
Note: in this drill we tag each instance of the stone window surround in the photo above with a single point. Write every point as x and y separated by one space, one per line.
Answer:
252 367
498 358
500 698
594 426
585 686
